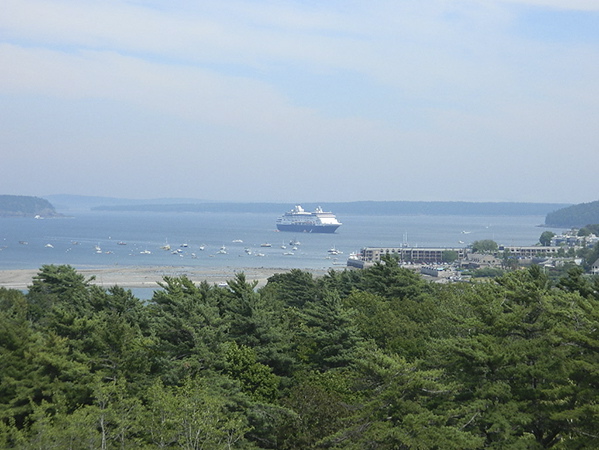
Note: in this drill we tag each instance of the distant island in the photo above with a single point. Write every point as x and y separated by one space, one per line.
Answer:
353 208
574 216
25 206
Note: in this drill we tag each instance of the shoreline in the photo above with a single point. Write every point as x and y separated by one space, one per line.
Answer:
133 277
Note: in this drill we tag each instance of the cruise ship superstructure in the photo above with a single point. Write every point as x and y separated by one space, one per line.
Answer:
299 220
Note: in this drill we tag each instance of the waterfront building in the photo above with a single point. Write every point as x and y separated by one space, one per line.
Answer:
479 260
415 256
420 255
529 252
571 239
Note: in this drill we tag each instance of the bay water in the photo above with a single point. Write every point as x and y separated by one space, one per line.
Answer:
225 239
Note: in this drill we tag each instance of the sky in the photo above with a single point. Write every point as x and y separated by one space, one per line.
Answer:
301 101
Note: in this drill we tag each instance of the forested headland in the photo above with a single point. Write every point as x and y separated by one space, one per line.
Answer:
575 215
371 359
25 206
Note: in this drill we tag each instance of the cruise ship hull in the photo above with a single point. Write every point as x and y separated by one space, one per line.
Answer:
300 221
298 228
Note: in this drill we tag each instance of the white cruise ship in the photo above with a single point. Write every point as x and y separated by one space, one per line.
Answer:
299 220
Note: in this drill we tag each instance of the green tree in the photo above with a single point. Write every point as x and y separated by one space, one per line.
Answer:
576 281
327 336
449 256
509 261
583 232
591 256
117 349
403 406
193 416
294 288
593 228
116 415
259 321
121 302
37 367
186 323
52 426
343 282
257 380
545 238
58 287
583 414
396 326
516 377
389 280
321 402
16 340
484 246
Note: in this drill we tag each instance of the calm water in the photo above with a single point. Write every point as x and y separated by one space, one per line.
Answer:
74 240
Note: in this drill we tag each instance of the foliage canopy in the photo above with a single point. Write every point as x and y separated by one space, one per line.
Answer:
372 359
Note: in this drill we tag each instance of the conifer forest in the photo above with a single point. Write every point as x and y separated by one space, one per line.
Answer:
357 359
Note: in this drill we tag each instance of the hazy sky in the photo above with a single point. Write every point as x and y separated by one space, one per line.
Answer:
339 100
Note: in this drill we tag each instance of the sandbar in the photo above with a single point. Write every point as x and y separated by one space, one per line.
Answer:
132 277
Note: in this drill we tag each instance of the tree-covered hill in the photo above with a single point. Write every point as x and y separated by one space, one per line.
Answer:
25 206
371 359
575 215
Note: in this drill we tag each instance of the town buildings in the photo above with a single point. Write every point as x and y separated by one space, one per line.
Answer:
464 257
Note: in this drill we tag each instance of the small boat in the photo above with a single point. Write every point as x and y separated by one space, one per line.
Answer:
121 243
49 246
23 242
145 252
223 250
237 241
266 244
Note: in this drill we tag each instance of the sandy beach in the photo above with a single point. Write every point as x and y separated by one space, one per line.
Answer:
148 276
